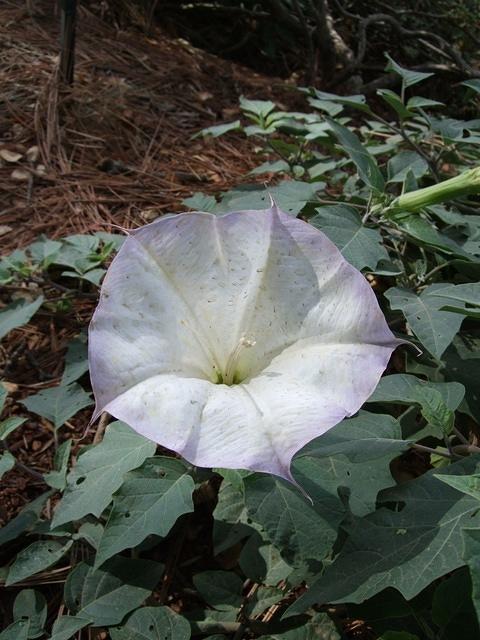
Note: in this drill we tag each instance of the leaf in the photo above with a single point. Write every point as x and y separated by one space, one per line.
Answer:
100 472
361 246
38 556
260 108
417 102
16 631
57 478
271 167
472 84
9 425
367 168
65 627
262 562
403 163
462 294
452 608
31 604
219 129
291 196
406 549
201 202
395 102
409 78
407 389
7 462
263 598
24 520
150 501
58 404
105 596
354 101
319 627
469 485
471 555
462 363
153 623
18 313
434 328
222 590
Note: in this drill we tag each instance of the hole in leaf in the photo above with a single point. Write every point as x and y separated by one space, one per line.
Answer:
150 628
127 514
80 480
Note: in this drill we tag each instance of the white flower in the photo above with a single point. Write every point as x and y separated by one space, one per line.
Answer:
235 340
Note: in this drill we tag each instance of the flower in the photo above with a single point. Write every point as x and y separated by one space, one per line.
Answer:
234 340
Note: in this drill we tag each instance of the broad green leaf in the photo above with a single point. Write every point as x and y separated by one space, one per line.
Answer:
222 590
76 361
57 479
31 604
44 251
472 84
105 596
404 162
9 425
65 627
230 517
439 417
368 170
452 608
220 129
16 631
354 101
58 404
260 108
423 232
434 328
18 313
201 202
457 296
291 196
25 519
7 462
38 556
466 484
405 549
100 471
366 437
152 623
149 501
417 102
462 363
409 78
91 532
319 627
263 598
262 562
361 246
271 167
402 388
471 555
395 102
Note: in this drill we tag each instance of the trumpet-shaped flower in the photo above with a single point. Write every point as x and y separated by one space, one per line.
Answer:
235 340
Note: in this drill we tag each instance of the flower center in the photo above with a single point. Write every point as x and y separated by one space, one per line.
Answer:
232 374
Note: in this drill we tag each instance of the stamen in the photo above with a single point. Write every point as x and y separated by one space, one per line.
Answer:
232 362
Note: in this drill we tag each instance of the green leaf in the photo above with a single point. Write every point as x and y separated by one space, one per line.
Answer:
58 404
403 388
406 549
271 167
222 590
152 623
262 562
220 129
367 168
16 631
319 627
7 462
150 501
18 313
100 471
76 361
291 196
395 102
201 202
452 608
439 417
260 108
462 363
471 555
362 247
434 328
354 101
462 294
417 102
31 604
403 163
9 425
469 485
25 519
38 556
58 478
44 251
472 84
65 627
105 596
409 78
263 598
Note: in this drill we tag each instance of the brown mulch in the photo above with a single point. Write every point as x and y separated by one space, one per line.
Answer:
116 148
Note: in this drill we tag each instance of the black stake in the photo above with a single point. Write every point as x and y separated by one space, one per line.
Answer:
67 39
